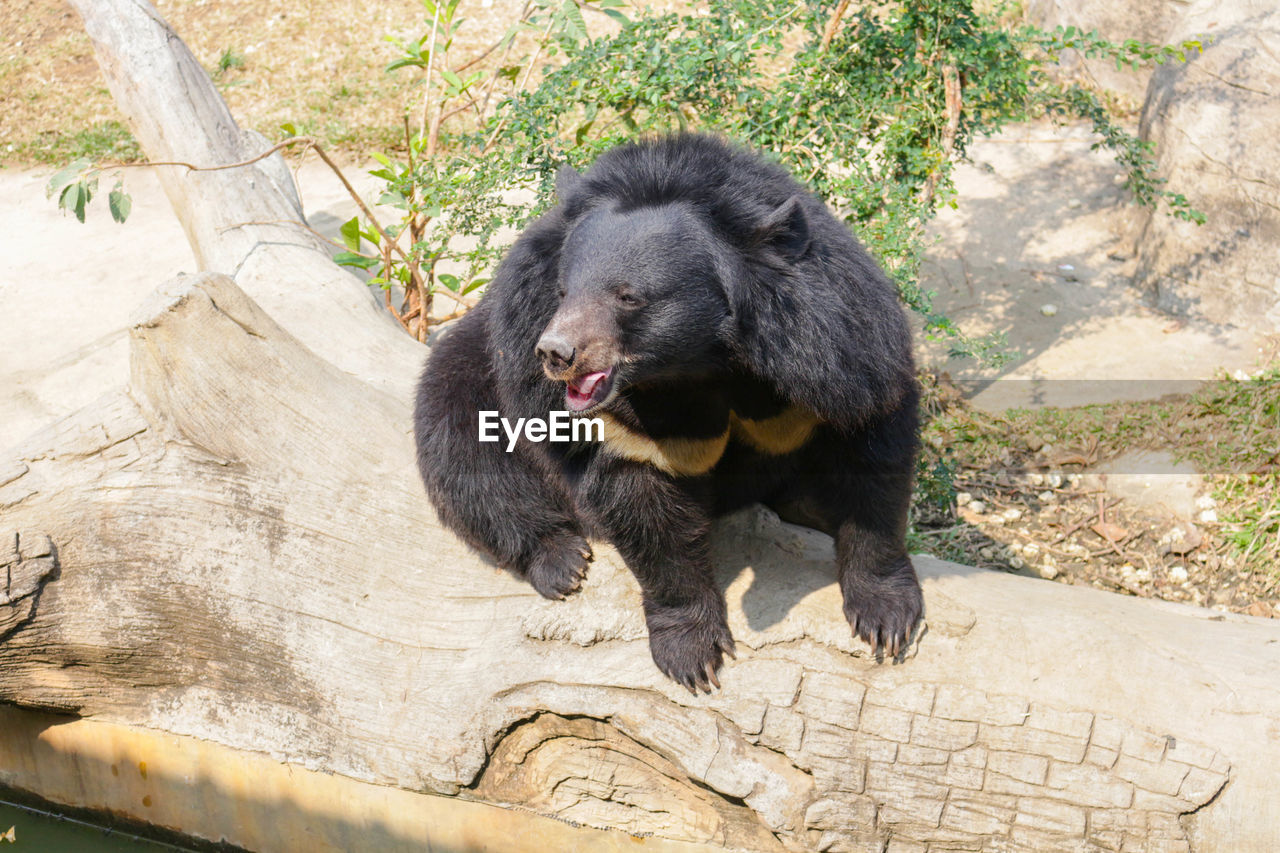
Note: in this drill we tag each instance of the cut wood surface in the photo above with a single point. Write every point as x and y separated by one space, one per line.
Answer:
231 546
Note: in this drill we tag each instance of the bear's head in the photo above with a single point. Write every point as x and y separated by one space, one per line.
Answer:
654 293
641 303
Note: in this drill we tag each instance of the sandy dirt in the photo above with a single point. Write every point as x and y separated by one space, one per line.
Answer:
1041 247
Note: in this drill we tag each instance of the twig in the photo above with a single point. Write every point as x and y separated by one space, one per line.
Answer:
431 55
1080 524
524 81
493 79
833 24
955 103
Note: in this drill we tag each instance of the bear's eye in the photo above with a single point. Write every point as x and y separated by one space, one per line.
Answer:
629 299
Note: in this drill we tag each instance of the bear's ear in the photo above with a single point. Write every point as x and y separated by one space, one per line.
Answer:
786 230
567 180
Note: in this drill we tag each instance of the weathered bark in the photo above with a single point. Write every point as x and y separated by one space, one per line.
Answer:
234 548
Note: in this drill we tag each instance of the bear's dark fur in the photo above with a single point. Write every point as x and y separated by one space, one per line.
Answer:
740 346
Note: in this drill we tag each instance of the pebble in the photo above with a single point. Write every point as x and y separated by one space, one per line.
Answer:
1048 309
1012 514
1206 502
1030 550
963 498
978 506
1074 479
1054 480
1178 574
1017 563
1075 204
1049 571
1208 516
1035 478
986 552
1047 497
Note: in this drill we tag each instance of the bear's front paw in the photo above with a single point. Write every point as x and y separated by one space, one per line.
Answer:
559 565
689 650
884 609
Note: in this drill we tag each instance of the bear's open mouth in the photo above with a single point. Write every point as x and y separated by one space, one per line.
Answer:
589 390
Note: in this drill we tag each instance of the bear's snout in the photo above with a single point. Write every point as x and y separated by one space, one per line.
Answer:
556 353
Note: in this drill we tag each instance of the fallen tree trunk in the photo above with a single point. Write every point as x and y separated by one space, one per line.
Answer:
232 550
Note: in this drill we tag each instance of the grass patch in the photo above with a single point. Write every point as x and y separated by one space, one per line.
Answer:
108 141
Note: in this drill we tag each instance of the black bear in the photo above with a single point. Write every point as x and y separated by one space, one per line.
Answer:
736 343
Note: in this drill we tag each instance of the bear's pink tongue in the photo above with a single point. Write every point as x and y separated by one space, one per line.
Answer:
581 390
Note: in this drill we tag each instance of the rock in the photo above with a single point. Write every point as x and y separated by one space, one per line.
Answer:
1047 497
1208 516
1206 502
1048 570
1210 119
1054 480
1182 539
963 498
1048 309
1178 574
1152 478
977 507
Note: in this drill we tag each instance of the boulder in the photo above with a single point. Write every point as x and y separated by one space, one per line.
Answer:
1215 121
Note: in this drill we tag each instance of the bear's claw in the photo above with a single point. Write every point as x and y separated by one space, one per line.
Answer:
884 612
558 568
692 654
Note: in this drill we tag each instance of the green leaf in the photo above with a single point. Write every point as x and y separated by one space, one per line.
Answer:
66 176
574 26
449 281
397 64
119 202
452 79
350 231
351 259
74 198
289 129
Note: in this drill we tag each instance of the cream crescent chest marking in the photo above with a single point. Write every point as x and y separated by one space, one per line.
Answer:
690 457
